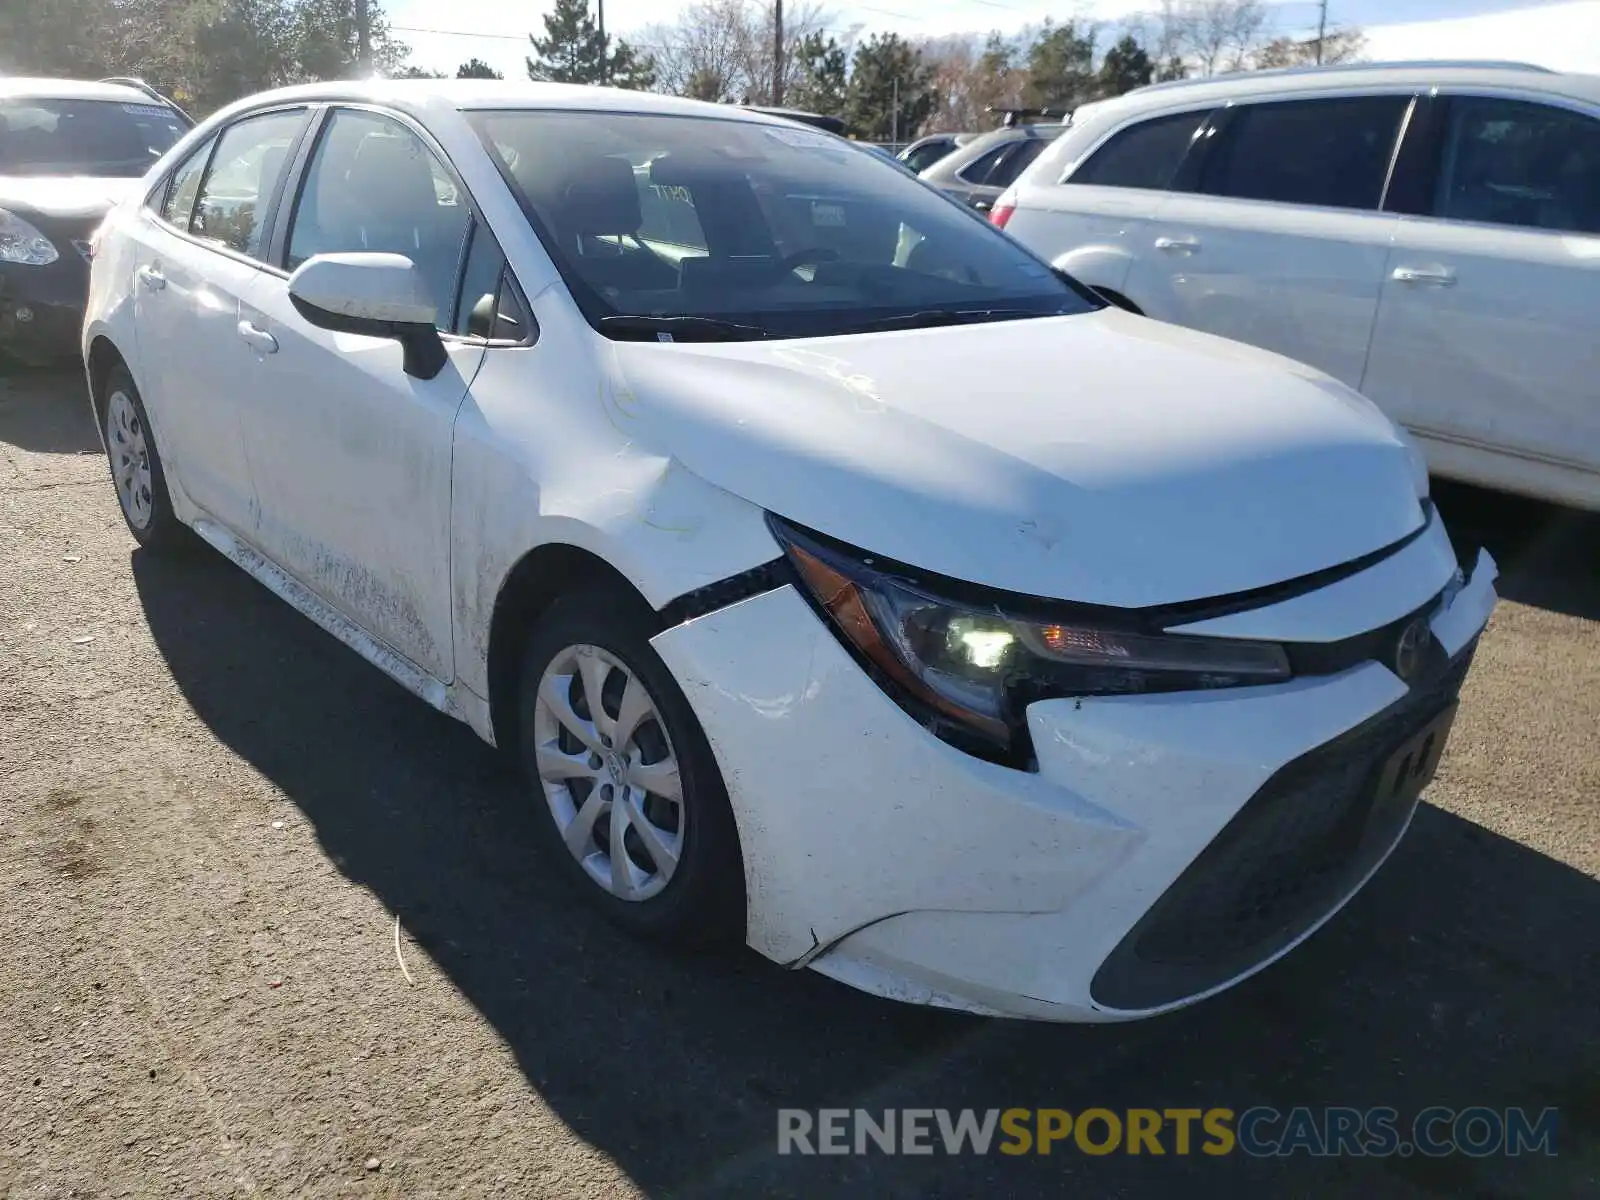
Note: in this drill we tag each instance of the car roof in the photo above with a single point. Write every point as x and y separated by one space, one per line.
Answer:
982 143
24 87
1220 89
420 97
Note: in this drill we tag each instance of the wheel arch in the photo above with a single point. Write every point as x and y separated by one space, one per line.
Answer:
101 358
533 583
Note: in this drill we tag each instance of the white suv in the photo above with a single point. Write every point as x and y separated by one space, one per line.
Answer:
1429 234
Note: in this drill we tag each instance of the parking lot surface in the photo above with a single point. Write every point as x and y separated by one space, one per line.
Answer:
212 816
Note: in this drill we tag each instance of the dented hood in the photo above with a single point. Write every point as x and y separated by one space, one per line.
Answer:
1102 458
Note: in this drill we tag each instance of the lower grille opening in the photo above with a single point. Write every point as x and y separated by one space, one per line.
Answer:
1292 852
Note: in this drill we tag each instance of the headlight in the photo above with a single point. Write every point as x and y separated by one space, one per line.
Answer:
969 665
21 243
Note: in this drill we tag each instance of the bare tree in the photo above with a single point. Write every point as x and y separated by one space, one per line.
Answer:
1338 45
1211 35
723 49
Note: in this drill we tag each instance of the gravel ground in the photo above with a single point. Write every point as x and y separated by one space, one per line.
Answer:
211 815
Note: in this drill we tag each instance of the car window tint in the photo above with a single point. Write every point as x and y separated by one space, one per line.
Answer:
184 186
977 171
923 157
240 181
1508 162
1005 172
1326 152
1146 155
374 186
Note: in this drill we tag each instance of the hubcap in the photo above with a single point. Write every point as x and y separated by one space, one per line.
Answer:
609 772
130 458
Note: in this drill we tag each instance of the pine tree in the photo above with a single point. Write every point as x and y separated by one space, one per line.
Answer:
824 84
476 68
1060 68
1126 67
571 52
885 66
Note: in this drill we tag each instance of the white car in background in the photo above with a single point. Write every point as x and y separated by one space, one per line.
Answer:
841 578
1427 233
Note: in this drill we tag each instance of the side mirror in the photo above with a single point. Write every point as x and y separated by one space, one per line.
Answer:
377 295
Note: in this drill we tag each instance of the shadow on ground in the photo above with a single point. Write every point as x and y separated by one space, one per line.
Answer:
1549 556
1466 974
45 409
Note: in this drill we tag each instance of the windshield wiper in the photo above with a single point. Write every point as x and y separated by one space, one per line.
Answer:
928 318
642 328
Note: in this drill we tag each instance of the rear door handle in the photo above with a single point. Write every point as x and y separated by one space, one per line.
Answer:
1178 245
1429 276
152 278
259 340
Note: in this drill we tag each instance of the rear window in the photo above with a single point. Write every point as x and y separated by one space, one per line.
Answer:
1146 155
84 137
1332 152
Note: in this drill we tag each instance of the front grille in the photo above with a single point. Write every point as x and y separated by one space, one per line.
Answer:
1288 857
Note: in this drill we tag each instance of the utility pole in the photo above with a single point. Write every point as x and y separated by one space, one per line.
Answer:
777 52
894 115
363 38
605 56
1322 29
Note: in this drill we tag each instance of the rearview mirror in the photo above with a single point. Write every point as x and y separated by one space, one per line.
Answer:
377 295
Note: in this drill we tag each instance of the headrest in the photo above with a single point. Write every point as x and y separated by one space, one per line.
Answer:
601 197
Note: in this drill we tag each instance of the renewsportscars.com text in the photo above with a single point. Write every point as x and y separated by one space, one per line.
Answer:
1258 1132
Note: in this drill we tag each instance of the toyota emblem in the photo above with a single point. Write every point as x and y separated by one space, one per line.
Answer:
1409 649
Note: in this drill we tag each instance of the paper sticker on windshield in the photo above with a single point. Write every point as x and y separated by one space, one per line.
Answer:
804 138
147 110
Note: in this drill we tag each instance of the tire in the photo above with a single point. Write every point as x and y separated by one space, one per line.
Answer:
136 470
586 786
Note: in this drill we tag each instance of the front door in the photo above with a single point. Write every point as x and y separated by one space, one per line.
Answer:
351 455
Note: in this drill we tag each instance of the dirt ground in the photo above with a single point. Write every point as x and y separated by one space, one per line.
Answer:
211 815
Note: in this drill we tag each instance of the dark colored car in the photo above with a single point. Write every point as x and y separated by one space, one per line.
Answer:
926 151
979 171
68 150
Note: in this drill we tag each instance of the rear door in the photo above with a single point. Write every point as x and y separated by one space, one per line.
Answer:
1488 335
200 250
1281 243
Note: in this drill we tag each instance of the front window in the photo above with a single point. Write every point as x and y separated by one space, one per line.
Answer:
84 137
768 230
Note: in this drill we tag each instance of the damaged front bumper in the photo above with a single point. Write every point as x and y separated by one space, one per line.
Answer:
1166 847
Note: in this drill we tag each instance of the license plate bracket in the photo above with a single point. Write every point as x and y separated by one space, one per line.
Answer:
1410 767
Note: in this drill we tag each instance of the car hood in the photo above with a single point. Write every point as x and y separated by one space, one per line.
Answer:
1103 458
64 196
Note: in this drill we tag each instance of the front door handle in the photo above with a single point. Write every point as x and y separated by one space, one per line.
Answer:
259 340
152 278
1428 276
1178 245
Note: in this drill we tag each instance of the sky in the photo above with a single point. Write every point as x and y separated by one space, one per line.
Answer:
1564 36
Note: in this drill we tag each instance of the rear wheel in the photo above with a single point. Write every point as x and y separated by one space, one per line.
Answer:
635 810
136 466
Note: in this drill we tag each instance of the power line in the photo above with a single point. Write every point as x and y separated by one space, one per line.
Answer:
464 33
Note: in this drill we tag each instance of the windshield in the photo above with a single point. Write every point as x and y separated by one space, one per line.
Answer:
759 230
84 137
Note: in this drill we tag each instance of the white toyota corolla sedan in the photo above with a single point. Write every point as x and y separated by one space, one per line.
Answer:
841 577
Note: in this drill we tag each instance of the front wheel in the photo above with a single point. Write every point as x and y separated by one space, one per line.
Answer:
635 811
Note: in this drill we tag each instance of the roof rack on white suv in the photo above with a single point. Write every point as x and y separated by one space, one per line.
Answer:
142 86
1481 64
